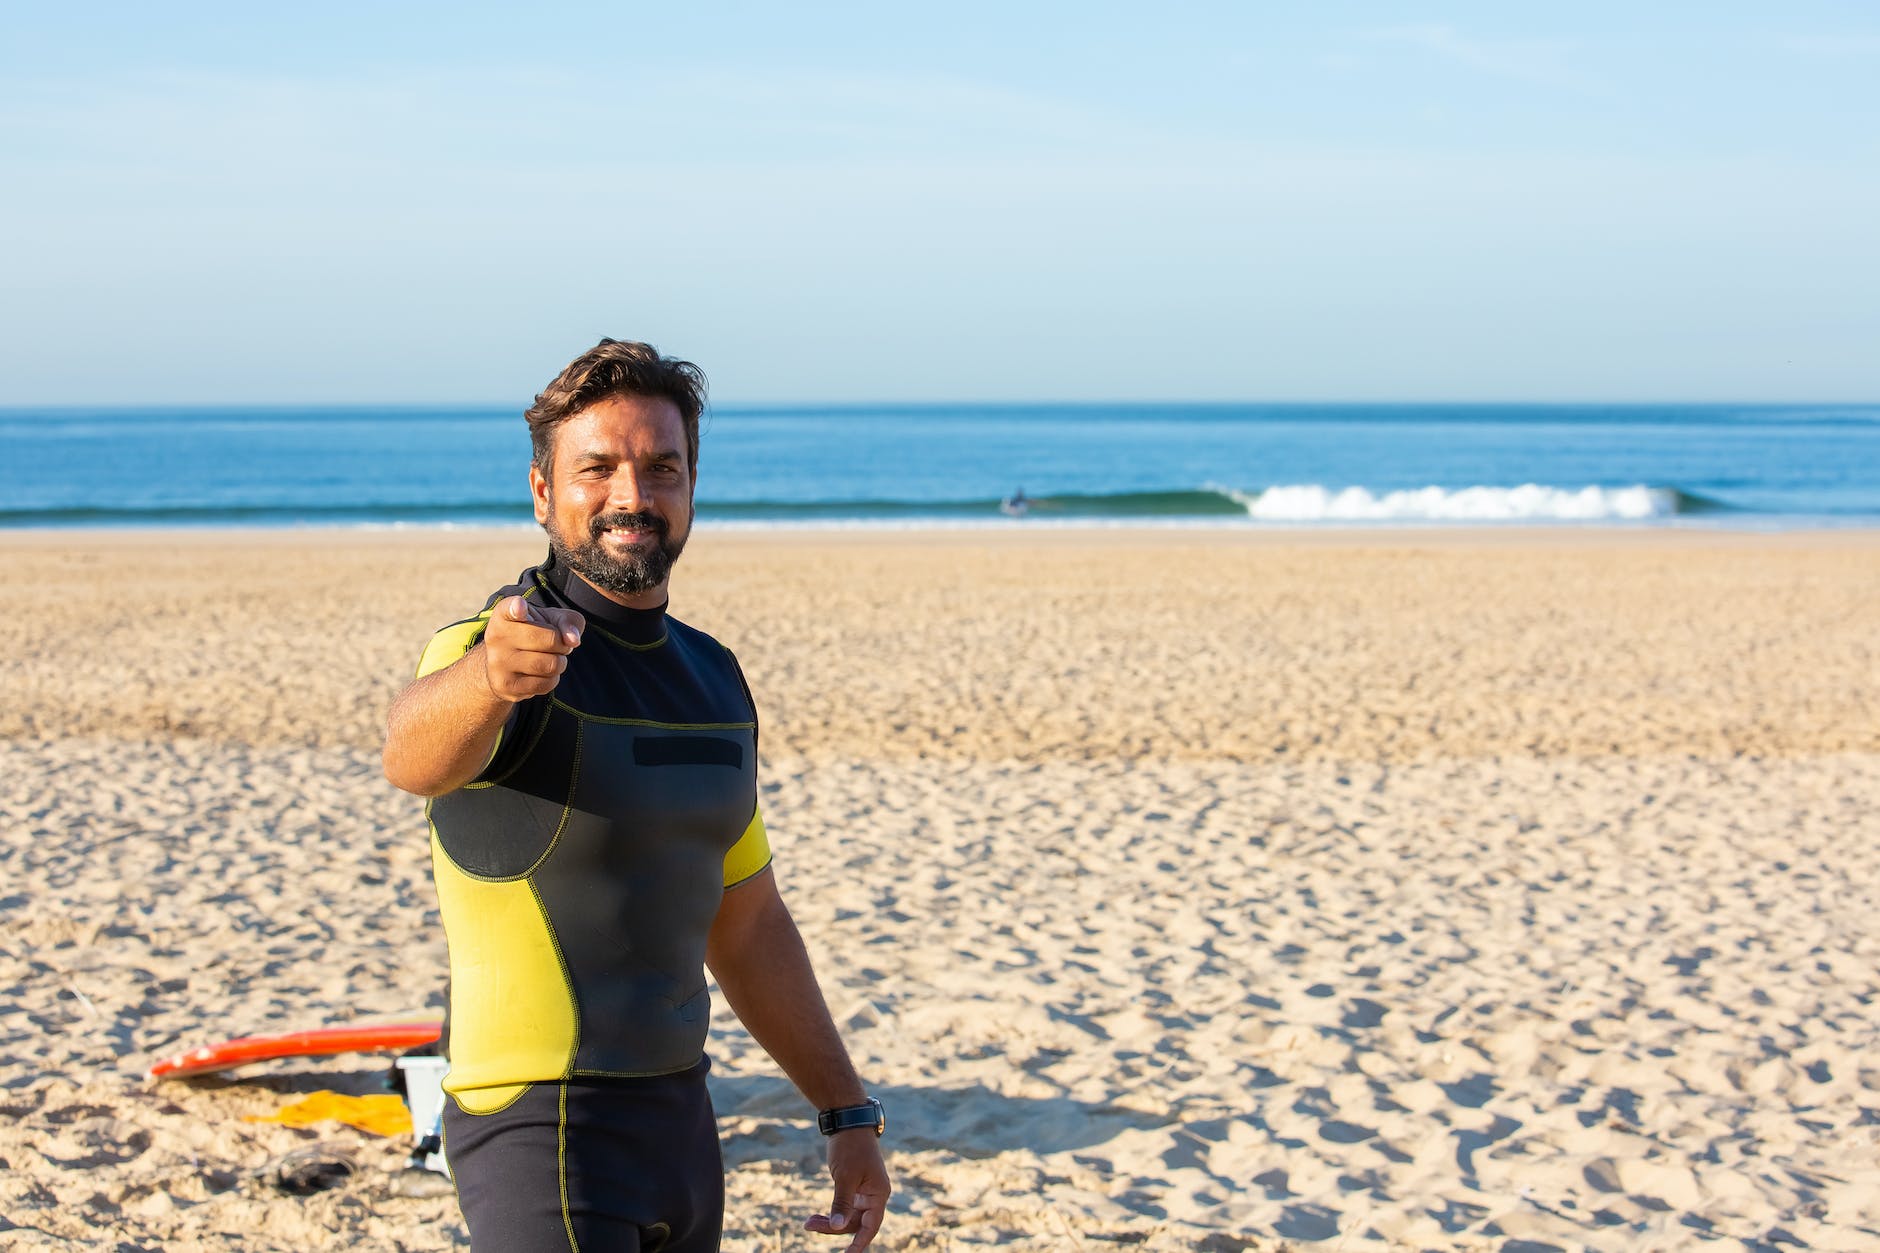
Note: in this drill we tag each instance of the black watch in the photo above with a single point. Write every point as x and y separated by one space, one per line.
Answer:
849 1117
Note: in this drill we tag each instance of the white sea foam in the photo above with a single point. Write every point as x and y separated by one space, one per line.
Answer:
1529 502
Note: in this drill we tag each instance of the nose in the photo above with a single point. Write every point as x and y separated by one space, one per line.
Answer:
626 494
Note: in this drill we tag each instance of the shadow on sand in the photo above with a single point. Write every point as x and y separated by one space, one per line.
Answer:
972 1122
969 1122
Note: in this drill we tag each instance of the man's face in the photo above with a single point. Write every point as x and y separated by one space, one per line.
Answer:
617 502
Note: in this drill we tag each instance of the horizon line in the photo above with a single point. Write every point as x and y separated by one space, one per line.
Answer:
798 406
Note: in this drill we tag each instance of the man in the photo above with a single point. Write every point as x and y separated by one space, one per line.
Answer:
596 842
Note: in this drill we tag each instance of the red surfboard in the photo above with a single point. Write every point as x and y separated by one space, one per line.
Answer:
390 1037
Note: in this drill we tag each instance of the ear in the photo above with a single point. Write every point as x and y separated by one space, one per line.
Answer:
538 494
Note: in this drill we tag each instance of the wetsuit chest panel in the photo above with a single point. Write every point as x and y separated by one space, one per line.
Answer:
659 814
500 831
615 804
632 888
681 680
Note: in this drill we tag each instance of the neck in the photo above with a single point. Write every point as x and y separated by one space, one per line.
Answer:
621 610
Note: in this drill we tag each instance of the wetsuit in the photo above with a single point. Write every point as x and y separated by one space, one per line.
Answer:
578 876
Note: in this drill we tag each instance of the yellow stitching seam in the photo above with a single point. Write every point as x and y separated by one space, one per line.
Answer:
755 820
561 1168
648 722
747 878
585 1073
484 617
567 980
567 811
522 1090
541 729
638 648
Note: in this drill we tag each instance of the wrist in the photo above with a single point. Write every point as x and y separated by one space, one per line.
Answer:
866 1115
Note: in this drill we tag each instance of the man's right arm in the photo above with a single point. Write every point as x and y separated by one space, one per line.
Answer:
443 727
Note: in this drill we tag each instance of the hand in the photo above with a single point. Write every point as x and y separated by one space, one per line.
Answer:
526 647
862 1188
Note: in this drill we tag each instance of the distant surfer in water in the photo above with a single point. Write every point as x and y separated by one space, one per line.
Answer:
1016 505
597 842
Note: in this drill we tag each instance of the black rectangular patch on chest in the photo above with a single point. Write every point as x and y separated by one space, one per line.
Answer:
687 750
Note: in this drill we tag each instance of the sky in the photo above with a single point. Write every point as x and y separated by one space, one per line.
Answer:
441 204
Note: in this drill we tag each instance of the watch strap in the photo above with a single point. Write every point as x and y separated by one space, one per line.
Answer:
849 1117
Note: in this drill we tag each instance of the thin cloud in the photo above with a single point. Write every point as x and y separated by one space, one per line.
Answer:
1833 46
700 115
1536 61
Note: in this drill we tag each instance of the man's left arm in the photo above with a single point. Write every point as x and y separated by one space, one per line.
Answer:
758 958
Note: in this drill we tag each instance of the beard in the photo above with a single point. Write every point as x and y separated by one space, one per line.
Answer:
629 575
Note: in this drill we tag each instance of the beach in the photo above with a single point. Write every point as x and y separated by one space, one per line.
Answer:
1175 889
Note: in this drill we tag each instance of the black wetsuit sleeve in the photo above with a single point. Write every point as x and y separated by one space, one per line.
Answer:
756 727
522 729
524 724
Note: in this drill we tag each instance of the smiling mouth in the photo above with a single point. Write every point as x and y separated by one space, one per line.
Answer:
629 528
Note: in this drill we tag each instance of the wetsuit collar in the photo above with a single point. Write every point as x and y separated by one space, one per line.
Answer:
636 626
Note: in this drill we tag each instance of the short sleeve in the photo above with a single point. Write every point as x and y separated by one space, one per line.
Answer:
445 649
750 854
451 643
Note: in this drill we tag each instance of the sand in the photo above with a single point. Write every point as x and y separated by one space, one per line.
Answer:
1178 890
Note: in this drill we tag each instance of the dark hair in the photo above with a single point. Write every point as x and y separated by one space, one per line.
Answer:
616 367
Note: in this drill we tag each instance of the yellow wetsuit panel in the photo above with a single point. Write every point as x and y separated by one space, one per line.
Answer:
448 646
451 643
578 900
524 1014
750 854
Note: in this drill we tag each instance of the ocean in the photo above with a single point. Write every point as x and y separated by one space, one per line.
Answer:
1221 465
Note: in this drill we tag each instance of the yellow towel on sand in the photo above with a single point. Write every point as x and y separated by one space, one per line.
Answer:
381 1115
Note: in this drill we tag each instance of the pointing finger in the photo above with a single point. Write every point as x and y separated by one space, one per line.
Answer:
566 623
